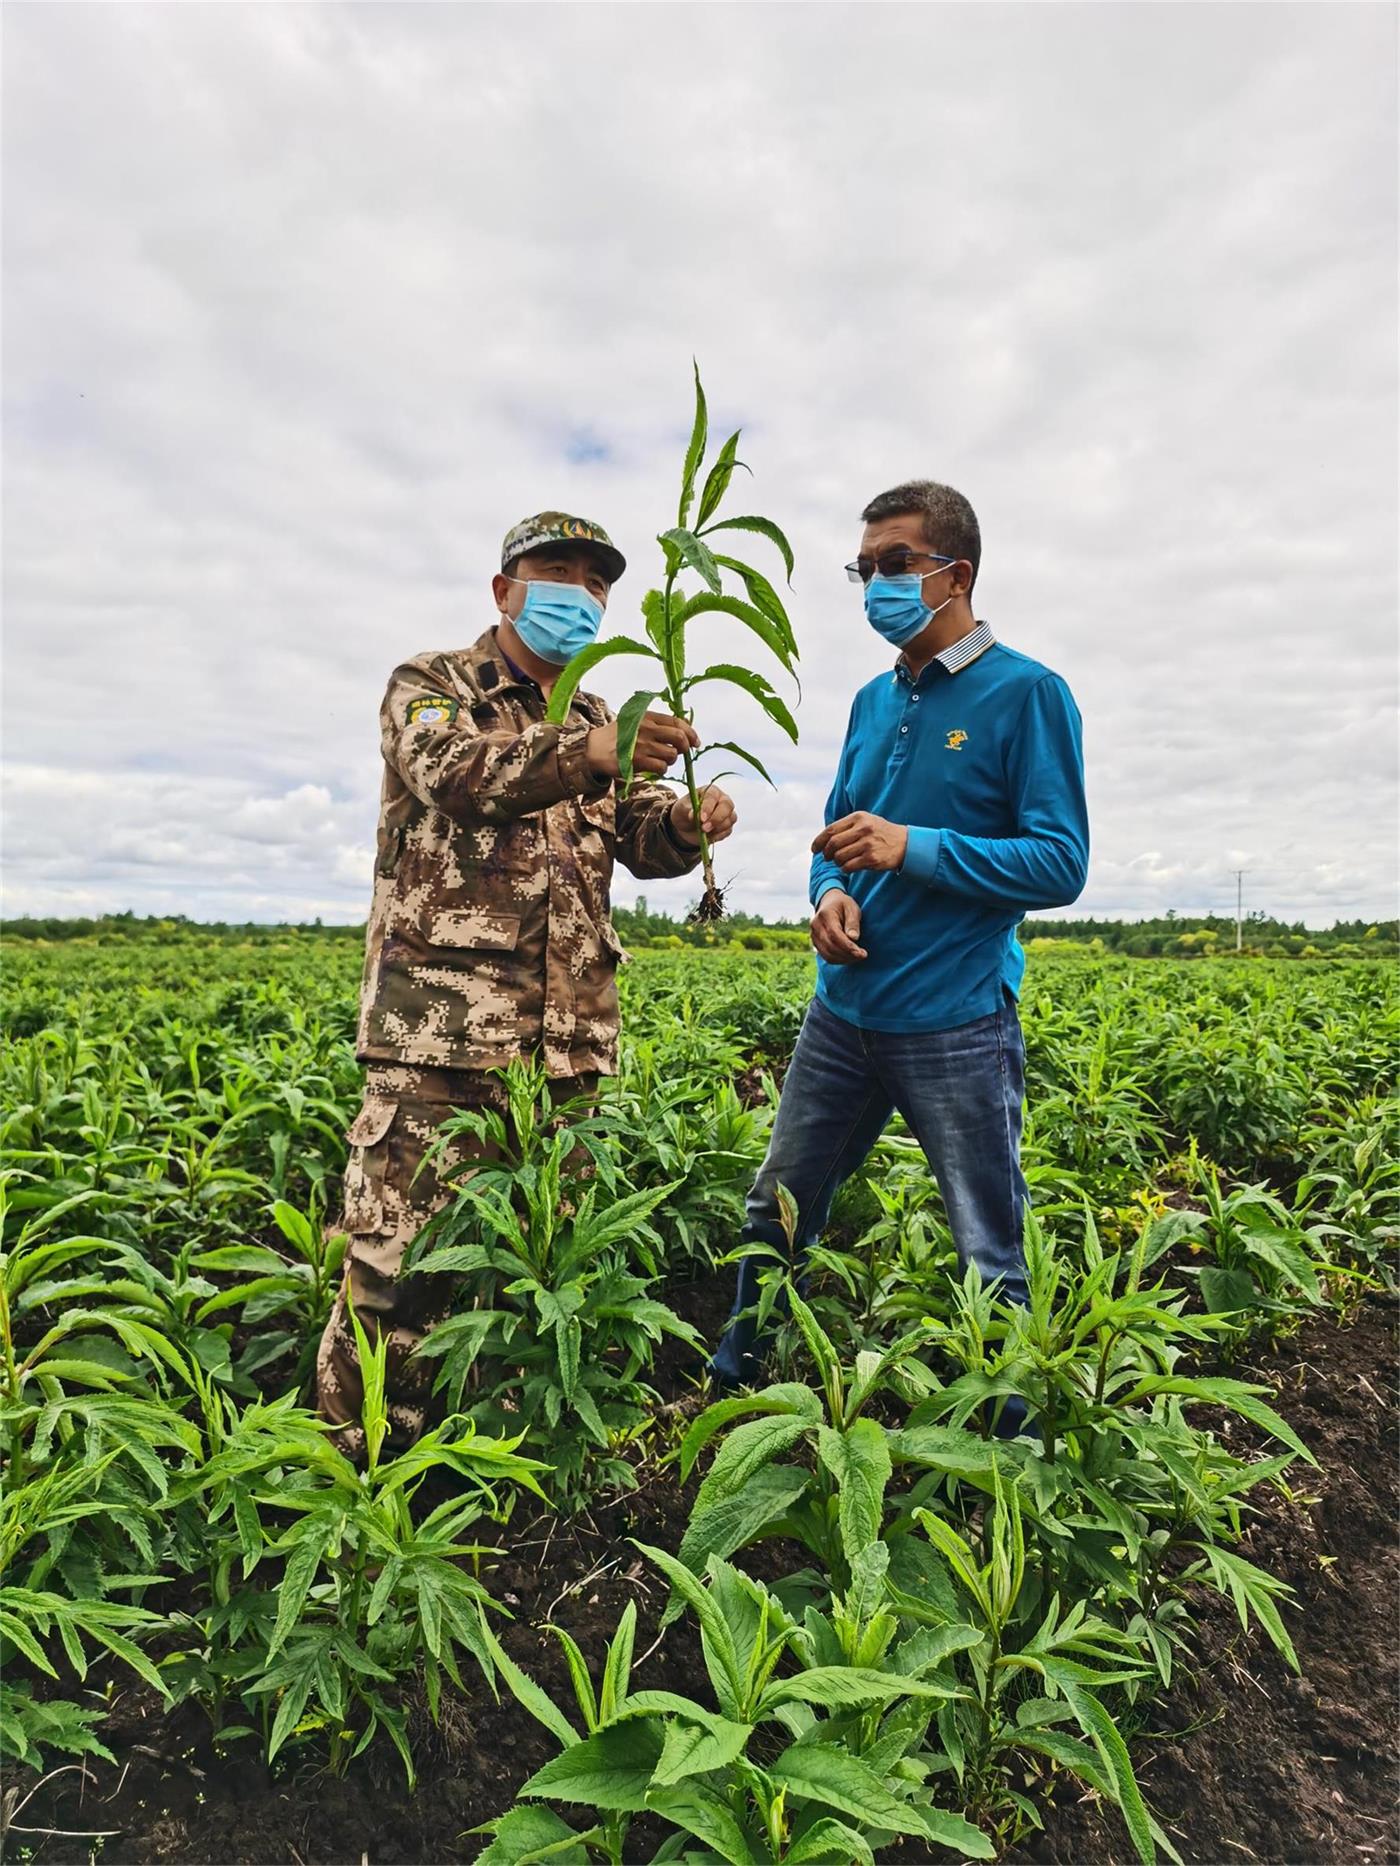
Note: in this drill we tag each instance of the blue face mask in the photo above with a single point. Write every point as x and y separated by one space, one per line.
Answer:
557 619
895 607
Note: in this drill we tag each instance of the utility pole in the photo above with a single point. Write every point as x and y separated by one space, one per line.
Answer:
1239 908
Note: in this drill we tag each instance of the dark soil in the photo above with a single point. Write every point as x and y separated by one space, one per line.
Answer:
1242 1762
175 1797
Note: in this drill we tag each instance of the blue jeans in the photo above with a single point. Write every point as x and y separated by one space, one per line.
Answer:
960 1091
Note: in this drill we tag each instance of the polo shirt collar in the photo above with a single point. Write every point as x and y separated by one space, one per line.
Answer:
487 656
496 671
954 659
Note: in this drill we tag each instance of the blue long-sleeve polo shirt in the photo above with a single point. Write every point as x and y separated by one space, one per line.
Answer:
982 758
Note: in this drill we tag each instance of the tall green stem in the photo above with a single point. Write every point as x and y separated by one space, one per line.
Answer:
13 1384
675 699
6 1331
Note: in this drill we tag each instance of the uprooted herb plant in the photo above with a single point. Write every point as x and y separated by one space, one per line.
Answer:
667 613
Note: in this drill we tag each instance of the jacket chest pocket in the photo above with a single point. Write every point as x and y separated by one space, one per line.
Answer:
472 930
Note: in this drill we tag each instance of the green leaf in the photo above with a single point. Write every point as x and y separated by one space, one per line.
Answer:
1251 1587
859 1460
745 1450
695 554
1229 1292
734 1521
836 1779
255 1258
717 482
629 721
834 1686
526 1835
609 1770
286 1283
763 528
568 1340
959 1836
928 1646
668 1704
289 1711
532 1696
1095 1721
787 1397
617 1666
830 1843
657 623
752 684
958 1555
302 1564
1285 1255
295 1227
689 1749
721 1655
578 1673
778 642
763 596
728 745
565 687
943 1448
1167 1230
695 451
702 1812
1235 1394
818 1342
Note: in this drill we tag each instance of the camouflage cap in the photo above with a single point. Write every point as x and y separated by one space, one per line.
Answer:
545 528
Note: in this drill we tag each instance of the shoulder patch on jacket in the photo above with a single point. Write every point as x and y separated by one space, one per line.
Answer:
431 709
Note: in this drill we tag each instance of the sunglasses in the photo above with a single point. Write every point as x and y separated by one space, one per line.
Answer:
892 564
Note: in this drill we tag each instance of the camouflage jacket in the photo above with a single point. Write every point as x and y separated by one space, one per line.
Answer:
489 934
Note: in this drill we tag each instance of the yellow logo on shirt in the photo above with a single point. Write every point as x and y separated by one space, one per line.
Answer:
956 739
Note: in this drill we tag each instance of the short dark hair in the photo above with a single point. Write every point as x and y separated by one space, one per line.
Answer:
949 522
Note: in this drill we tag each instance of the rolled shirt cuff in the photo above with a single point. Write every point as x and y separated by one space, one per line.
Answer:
678 842
922 855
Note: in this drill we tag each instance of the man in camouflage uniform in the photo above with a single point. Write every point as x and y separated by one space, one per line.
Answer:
489 934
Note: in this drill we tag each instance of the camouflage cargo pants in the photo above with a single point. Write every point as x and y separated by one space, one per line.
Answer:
386 1203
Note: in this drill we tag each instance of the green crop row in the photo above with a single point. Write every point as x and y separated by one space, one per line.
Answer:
1209 1151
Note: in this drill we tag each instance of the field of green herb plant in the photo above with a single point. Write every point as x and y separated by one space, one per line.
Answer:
872 1629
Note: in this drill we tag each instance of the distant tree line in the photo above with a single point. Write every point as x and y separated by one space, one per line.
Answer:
1173 936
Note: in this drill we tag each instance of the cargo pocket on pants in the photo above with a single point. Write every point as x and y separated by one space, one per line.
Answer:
363 1192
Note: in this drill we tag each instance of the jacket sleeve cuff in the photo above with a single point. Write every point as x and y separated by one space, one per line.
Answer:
690 850
922 855
574 771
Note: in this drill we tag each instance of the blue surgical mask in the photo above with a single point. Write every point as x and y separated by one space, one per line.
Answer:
557 619
895 607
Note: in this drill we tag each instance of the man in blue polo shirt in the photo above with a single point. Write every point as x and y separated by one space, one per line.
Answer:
958 805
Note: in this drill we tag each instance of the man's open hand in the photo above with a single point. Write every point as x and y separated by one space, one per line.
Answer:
836 928
660 741
863 841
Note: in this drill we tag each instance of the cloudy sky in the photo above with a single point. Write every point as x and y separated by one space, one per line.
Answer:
305 305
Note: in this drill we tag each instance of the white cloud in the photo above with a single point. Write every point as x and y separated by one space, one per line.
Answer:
305 306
